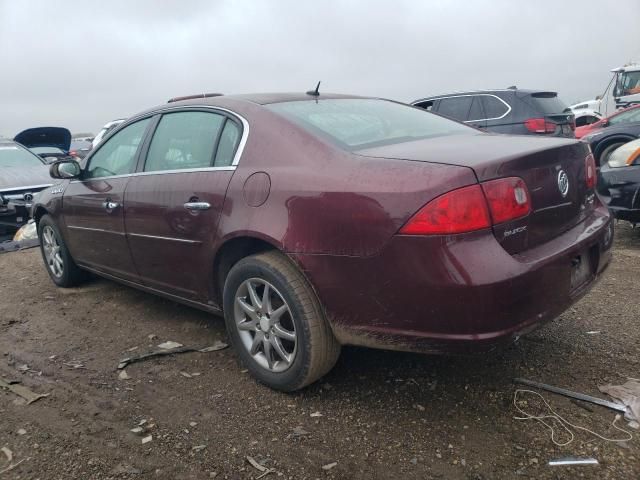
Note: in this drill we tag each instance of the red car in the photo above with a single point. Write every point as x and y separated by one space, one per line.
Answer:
618 118
316 221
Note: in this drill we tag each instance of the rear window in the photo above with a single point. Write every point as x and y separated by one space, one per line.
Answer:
13 156
362 123
546 103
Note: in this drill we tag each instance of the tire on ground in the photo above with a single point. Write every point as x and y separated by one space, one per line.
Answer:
72 275
317 349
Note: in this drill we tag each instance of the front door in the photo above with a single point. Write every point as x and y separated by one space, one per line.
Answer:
173 206
94 205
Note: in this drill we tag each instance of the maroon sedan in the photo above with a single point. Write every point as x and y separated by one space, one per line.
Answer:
319 221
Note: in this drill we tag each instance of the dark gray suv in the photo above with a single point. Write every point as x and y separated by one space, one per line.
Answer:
513 111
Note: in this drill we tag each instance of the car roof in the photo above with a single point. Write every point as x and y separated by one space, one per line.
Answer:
479 92
226 101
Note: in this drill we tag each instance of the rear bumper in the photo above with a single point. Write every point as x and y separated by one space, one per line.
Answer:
620 190
455 294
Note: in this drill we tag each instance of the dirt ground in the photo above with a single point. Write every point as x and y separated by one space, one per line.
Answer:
377 414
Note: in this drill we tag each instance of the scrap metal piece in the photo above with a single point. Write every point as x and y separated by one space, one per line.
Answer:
573 461
159 353
568 393
22 391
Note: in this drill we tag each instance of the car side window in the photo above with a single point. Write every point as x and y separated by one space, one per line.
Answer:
456 108
228 144
117 156
477 110
493 107
184 140
626 117
426 105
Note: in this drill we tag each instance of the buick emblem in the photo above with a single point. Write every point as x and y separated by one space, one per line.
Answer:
563 183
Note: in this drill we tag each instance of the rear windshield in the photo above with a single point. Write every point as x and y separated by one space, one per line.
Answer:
13 156
362 123
46 150
546 103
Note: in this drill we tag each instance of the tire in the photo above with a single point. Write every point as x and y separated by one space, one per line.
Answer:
292 310
69 274
606 153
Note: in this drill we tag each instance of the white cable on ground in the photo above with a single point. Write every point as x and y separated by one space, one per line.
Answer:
563 422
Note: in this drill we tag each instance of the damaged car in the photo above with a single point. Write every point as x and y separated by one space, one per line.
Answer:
313 221
619 182
50 143
22 175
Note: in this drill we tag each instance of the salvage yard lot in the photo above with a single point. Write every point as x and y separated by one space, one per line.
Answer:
377 414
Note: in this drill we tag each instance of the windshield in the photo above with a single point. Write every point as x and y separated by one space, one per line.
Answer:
14 156
361 123
628 83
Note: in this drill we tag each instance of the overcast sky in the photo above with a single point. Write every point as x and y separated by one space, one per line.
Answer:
81 63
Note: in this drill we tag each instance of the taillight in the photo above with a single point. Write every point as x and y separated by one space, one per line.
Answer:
471 208
590 171
508 199
462 210
540 125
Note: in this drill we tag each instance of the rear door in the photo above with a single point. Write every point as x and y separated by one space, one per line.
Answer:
93 206
476 116
174 203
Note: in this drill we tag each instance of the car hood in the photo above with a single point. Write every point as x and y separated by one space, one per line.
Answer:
17 178
45 137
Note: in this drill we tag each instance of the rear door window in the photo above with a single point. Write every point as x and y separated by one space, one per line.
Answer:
456 108
184 140
228 144
477 109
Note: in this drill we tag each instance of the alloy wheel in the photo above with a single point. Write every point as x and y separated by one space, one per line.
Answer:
52 251
265 325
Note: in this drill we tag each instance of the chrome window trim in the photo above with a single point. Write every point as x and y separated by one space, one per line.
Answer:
157 172
470 95
234 163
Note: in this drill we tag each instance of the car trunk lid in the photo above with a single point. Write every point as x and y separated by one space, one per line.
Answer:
557 118
552 168
45 137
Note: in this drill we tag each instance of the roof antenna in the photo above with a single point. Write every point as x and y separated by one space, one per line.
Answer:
316 92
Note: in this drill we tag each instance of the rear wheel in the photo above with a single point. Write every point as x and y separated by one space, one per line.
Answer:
606 153
276 324
60 265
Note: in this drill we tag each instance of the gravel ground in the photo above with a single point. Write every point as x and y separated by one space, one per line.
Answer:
376 415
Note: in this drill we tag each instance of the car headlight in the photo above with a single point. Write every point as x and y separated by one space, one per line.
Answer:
626 155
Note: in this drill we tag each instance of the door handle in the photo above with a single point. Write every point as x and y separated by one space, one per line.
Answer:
194 206
109 205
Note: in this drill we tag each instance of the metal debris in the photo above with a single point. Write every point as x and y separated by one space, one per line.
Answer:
147 439
197 448
329 466
573 461
569 393
13 465
158 353
316 414
136 430
185 374
170 345
23 392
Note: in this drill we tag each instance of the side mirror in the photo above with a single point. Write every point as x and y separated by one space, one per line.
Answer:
65 169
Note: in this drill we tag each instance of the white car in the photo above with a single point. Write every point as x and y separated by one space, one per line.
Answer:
587 112
106 129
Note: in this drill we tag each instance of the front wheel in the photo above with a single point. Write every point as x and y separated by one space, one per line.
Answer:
276 324
58 261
